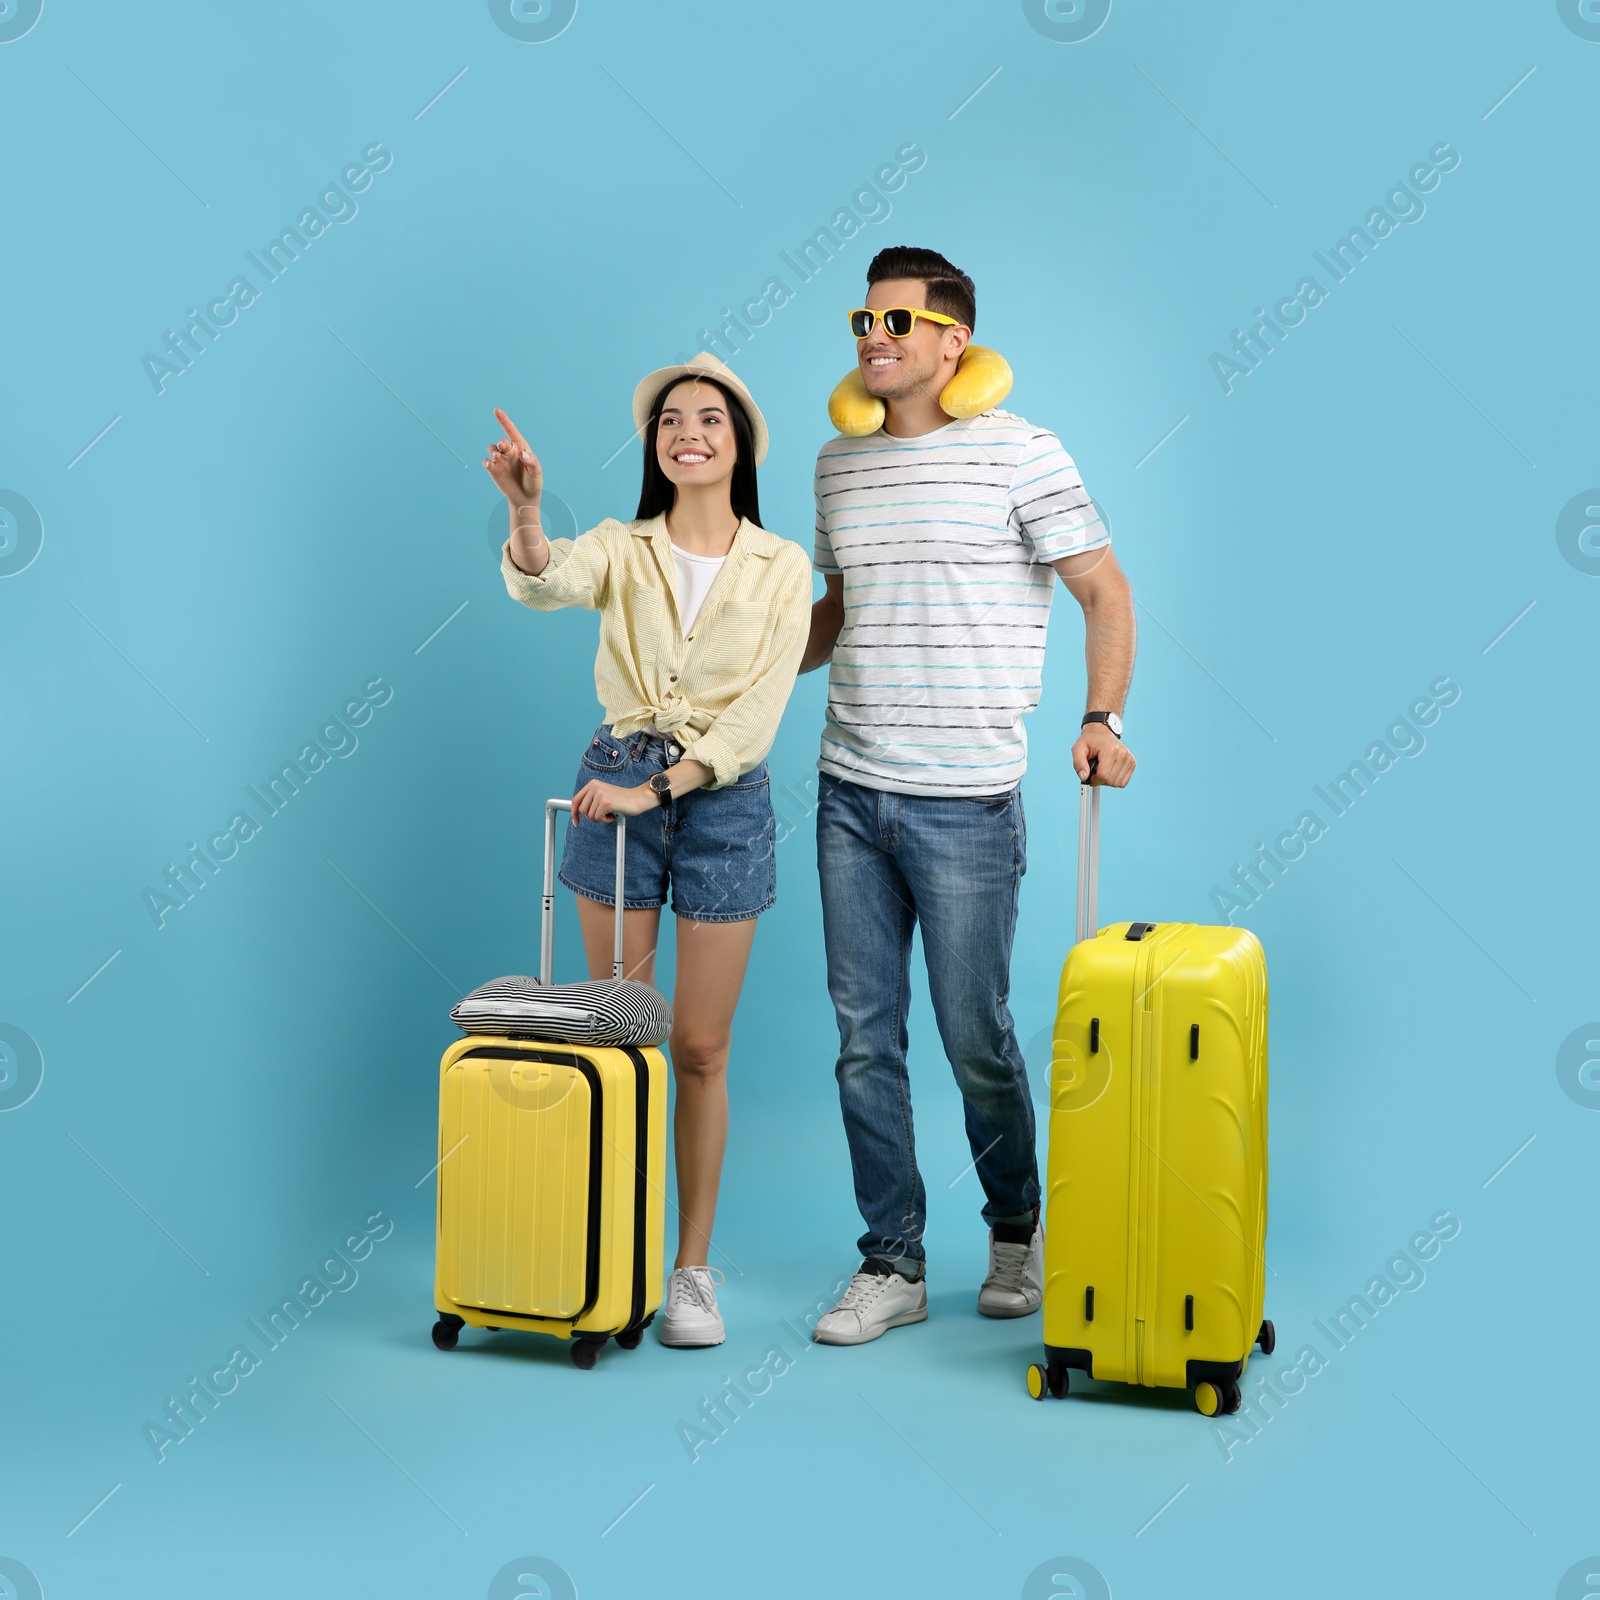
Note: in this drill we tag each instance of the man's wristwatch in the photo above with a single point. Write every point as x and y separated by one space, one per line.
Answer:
1110 718
661 785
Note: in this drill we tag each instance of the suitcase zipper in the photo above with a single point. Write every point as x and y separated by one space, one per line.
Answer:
1142 1192
1134 1328
641 1176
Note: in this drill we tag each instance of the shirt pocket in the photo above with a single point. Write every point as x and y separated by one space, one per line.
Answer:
734 641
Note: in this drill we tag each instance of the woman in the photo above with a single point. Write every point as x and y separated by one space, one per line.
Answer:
703 618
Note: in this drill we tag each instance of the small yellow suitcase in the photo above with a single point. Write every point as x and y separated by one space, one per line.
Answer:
1156 1185
552 1155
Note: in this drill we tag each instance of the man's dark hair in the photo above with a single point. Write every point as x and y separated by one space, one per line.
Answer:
949 289
658 492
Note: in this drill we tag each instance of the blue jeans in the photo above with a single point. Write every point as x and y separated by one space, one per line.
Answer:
889 862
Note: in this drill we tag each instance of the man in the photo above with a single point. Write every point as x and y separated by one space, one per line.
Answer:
937 538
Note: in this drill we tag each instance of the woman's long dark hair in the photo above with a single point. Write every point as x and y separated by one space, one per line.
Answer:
657 492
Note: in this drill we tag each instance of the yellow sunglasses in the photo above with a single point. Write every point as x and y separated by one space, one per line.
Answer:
898 321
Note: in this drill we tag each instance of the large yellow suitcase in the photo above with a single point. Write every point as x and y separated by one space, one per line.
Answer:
1156 1186
552 1155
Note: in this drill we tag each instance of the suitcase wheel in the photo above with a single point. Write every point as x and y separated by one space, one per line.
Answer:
1216 1397
445 1331
1051 1380
585 1352
1267 1338
630 1338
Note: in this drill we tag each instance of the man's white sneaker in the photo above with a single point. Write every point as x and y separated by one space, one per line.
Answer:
878 1299
1015 1285
691 1317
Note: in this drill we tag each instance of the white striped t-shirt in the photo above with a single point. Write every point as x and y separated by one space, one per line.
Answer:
942 540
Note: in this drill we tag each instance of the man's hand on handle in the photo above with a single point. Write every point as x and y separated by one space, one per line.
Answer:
1099 585
1114 764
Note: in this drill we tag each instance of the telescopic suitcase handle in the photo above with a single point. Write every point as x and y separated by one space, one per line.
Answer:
547 918
1088 852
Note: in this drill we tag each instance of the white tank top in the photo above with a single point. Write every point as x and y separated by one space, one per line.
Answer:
696 574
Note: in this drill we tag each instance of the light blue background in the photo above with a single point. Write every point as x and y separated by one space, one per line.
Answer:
302 510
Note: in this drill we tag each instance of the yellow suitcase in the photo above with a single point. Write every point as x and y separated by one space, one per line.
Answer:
1156 1181
552 1154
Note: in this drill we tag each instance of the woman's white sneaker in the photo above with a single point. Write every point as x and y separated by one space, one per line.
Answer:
1015 1285
878 1299
691 1317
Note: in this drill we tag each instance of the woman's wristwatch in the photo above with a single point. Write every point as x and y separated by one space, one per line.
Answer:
661 786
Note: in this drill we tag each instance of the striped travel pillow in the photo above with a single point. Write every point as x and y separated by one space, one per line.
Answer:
614 1011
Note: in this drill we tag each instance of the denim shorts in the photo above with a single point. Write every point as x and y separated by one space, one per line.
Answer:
713 846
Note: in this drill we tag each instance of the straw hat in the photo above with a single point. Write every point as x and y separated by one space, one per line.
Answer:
707 366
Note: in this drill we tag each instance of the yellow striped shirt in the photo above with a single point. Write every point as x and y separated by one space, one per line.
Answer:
720 691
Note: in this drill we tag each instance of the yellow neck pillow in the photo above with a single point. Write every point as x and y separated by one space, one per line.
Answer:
982 381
